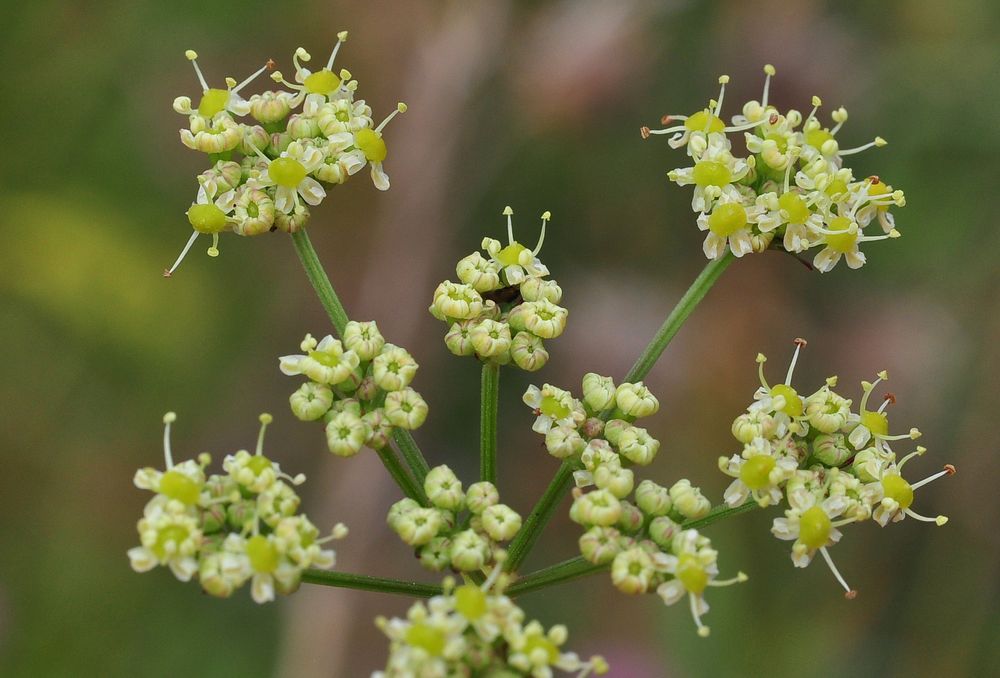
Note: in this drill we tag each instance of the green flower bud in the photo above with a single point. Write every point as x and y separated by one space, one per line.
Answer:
564 441
598 392
279 144
750 425
254 212
457 339
405 409
528 352
400 508
613 430
636 445
270 107
241 514
417 526
346 434
302 126
294 222
378 428
688 500
544 319
517 317
213 518
599 545
490 338
469 551
635 400
869 464
653 499
367 390
831 449
615 479
311 401
598 452
501 522
393 368
213 136
481 496
346 405
364 339
481 273
436 554
662 531
458 301
592 427
632 571
632 518
599 507
536 289
444 489
826 411
222 177
254 136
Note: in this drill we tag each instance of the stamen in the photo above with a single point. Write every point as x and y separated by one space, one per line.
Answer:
280 79
341 39
738 579
168 458
879 142
949 470
723 79
265 419
849 593
213 251
546 215
300 53
400 108
668 130
788 176
871 238
761 359
703 630
799 344
888 399
169 272
508 212
192 56
749 125
768 72
918 453
252 77
644 132
494 573
937 520
816 102
868 388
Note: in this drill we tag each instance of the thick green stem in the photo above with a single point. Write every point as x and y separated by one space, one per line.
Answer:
488 423
338 316
701 285
575 568
320 282
366 583
542 511
395 468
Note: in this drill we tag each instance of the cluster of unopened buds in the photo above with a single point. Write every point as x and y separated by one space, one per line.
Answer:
228 529
504 307
459 529
266 174
791 191
831 465
359 386
473 630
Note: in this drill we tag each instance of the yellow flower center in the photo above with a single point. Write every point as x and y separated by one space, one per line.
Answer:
727 219
814 527
322 82
711 173
551 407
287 172
836 187
541 642
817 137
779 140
171 533
876 422
755 472
793 403
702 120
510 254
325 359
258 464
213 101
896 488
371 144
426 637
263 555
691 573
206 218
470 601
795 206
176 485
846 239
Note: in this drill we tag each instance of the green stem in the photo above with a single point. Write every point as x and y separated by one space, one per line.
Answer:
575 568
366 583
399 474
320 281
531 530
542 511
701 285
488 423
338 316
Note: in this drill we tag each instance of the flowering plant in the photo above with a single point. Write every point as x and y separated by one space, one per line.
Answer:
825 463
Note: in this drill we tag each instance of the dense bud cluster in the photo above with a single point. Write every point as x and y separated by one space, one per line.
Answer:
266 174
359 386
231 528
460 529
830 464
792 191
504 307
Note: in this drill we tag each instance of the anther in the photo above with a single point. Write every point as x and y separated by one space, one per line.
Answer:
665 120
950 468
644 132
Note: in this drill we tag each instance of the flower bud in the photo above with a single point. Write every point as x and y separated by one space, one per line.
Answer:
481 273
636 445
528 352
311 401
615 479
599 545
544 319
254 212
400 508
517 317
346 405
458 301
480 496
364 339
270 107
632 518
598 392
635 400
367 389
831 449
598 452
869 464
443 488
378 429
564 441
469 551
294 222
632 570
346 434
688 500
417 526
405 409
302 126
254 137
613 430
653 499
662 531
435 555
536 289
501 522
393 368
279 143
490 338
750 425
826 411
599 507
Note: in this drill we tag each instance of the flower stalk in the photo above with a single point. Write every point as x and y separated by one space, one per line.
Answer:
363 582
488 423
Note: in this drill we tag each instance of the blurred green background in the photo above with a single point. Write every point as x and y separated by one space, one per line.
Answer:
537 105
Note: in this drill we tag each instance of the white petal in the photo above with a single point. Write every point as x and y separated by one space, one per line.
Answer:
311 191
379 177
284 199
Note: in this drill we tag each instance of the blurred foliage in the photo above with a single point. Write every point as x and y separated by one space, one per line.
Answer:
93 191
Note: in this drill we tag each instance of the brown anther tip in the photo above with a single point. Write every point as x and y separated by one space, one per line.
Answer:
270 64
644 132
665 120
950 468
537 412
891 397
773 120
874 179
799 341
851 595
167 273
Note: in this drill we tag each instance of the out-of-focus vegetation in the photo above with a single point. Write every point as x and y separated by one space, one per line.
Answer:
537 105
